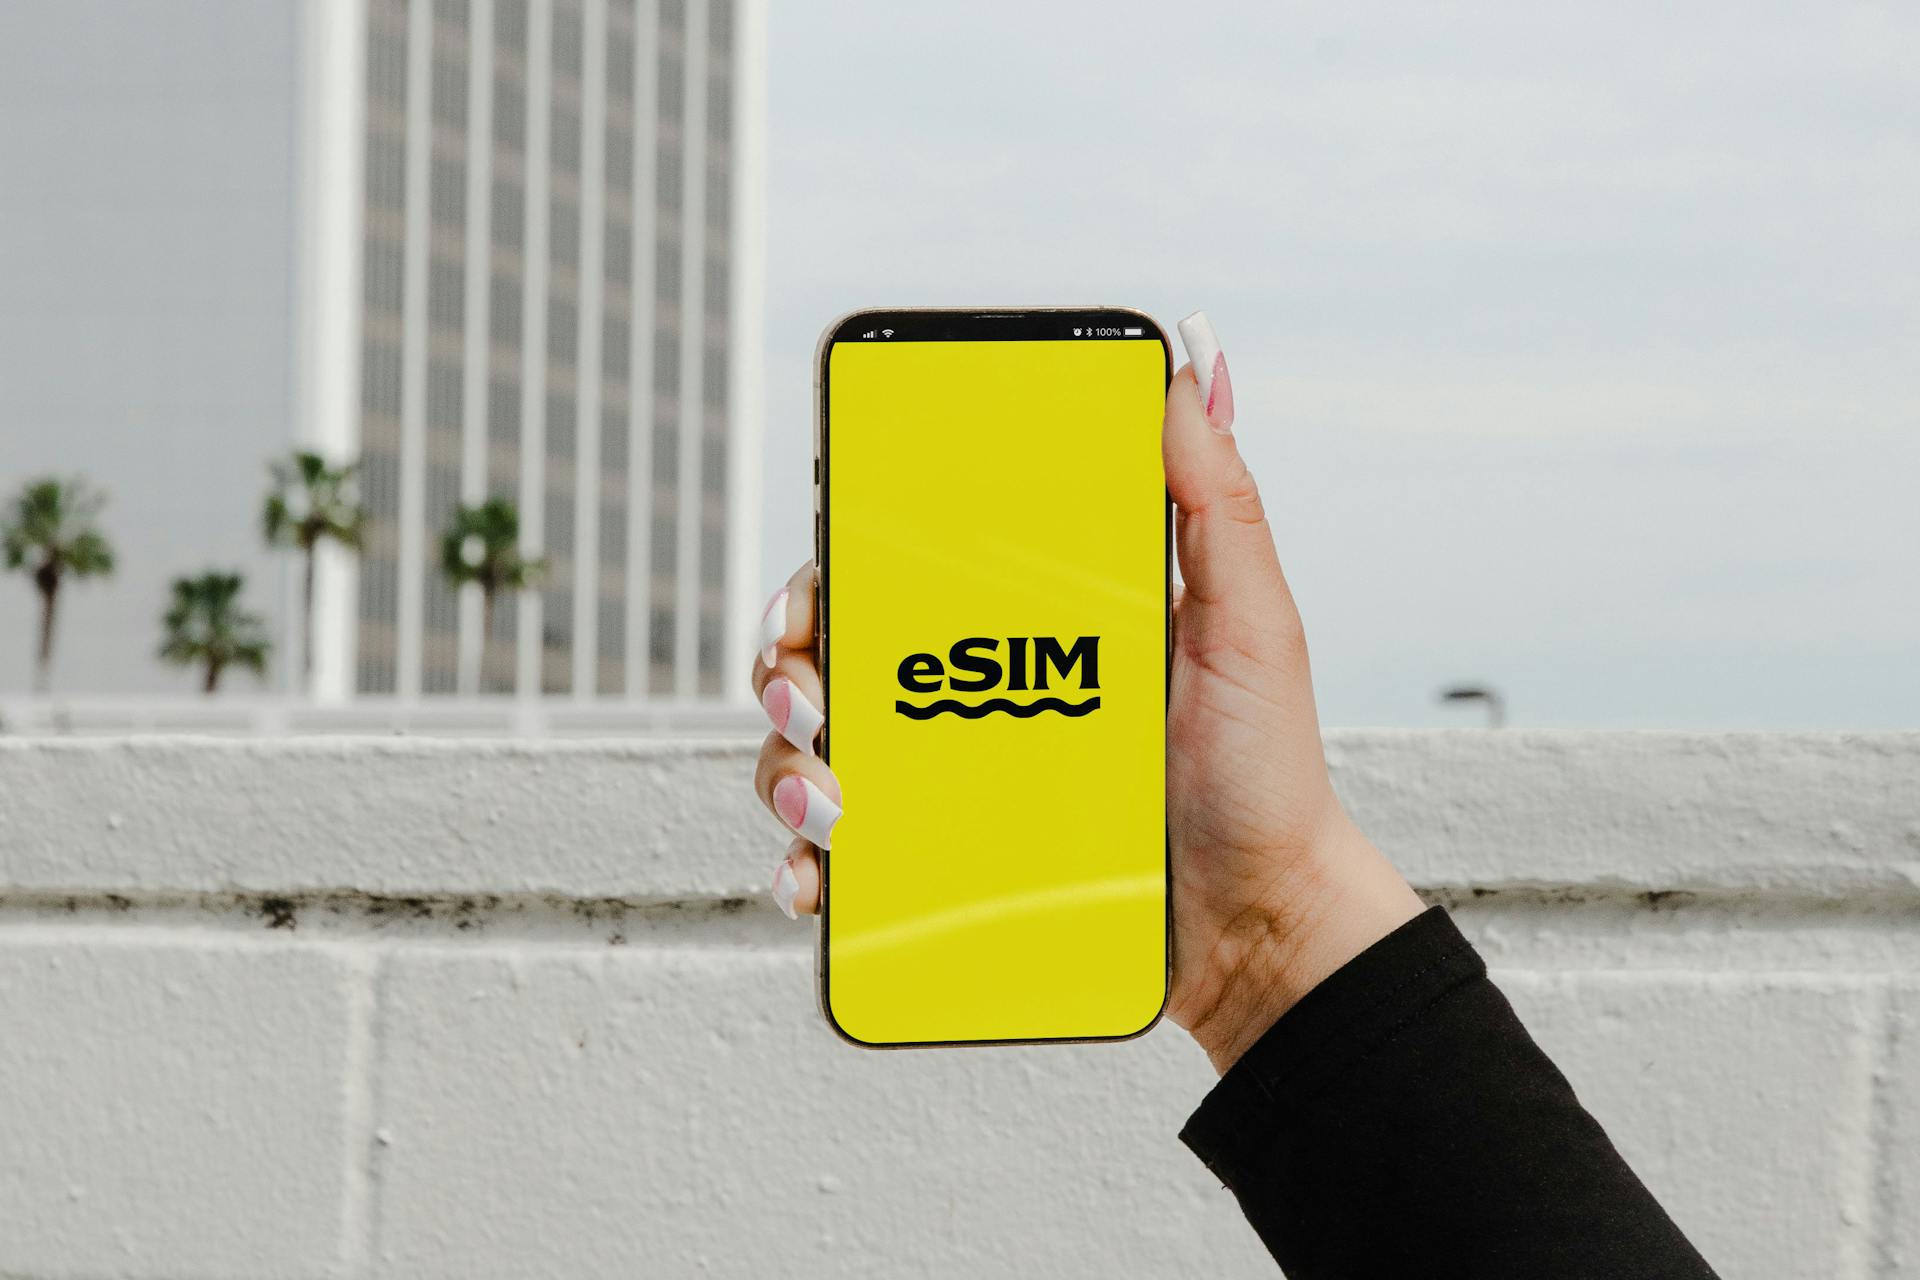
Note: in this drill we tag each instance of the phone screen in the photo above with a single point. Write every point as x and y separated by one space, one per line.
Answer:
994 560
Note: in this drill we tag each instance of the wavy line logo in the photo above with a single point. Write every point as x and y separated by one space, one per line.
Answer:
974 665
1002 706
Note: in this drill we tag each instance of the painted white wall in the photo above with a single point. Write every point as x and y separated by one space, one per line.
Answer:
415 1008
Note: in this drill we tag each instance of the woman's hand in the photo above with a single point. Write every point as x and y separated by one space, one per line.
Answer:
1274 887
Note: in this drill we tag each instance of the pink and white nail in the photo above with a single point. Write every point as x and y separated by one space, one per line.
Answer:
797 719
806 809
773 627
1209 369
786 887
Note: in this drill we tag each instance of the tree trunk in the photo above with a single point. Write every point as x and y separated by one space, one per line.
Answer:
306 635
213 676
49 584
486 634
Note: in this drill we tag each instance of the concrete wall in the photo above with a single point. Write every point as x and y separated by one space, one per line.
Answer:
402 1008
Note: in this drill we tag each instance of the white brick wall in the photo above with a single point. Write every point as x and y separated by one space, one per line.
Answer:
417 1009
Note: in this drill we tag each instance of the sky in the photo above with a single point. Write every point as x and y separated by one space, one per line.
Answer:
1576 348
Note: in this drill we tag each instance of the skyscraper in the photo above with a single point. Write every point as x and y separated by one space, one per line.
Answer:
530 272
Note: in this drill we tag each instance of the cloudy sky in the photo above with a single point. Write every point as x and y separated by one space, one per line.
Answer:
1577 348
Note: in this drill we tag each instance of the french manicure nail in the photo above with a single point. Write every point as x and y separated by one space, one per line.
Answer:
773 627
786 887
796 718
806 809
1209 370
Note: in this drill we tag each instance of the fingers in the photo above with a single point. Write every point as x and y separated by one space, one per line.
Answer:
788 622
799 789
803 793
1209 365
785 677
790 695
790 779
1225 546
796 881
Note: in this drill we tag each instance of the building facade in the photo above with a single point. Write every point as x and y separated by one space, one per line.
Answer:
530 271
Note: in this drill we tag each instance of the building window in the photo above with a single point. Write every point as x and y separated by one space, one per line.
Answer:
563 330
613 536
446 295
509 213
386 172
447 191
510 25
617 257
615 352
566 139
561 428
385 277
443 396
503 310
509 112
569 39
563 236
380 381
450 90
660 647
503 412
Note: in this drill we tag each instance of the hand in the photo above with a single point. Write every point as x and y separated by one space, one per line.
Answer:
1274 888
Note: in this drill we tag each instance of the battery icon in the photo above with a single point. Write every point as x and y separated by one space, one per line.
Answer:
1133 333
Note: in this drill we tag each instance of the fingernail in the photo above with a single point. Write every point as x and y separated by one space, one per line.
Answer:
796 718
1209 369
773 626
806 809
786 887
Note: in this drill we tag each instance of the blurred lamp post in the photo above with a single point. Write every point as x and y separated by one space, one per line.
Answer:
1496 705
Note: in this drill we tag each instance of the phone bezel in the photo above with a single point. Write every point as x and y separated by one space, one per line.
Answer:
964 324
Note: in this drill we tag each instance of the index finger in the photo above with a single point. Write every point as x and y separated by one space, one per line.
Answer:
788 621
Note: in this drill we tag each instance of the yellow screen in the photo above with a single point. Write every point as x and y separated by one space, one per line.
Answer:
1000 871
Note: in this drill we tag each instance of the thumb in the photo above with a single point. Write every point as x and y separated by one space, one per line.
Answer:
1226 548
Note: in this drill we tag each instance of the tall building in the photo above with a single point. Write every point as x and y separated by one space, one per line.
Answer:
540 290
489 247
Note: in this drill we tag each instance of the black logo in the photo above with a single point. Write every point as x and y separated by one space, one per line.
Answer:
1029 660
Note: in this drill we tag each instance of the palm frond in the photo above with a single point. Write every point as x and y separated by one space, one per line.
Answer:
50 526
312 501
205 624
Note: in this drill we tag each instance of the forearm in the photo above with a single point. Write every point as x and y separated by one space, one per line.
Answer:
1399 1121
1331 903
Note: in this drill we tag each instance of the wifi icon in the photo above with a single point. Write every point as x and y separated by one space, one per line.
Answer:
886 333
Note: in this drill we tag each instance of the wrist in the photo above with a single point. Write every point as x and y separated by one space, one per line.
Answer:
1335 902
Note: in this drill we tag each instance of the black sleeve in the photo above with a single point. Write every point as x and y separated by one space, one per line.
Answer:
1400 1122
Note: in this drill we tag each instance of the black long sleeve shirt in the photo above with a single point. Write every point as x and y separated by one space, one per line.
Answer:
1400 1122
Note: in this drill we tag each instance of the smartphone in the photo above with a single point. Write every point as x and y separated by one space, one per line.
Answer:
993 536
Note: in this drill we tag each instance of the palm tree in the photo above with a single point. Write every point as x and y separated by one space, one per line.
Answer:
311 502
206 625
51 534
481 546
